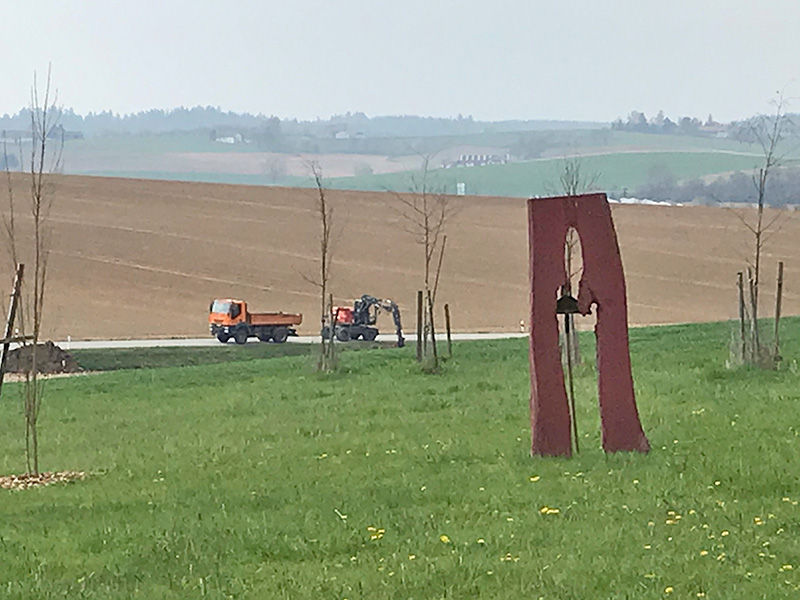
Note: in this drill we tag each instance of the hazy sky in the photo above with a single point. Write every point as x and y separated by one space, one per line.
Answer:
499 59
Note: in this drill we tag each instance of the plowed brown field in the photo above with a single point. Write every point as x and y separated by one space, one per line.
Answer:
134 258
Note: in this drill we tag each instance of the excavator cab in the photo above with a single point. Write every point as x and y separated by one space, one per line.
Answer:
343 315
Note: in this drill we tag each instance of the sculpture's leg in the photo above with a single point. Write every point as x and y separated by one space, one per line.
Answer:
622 429
550 418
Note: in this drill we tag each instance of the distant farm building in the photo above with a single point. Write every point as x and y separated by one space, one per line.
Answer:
230 139
479 160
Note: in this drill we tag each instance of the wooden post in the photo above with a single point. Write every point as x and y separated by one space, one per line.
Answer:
419 325
12 313
755 345
742 325
571 384
778 295
447 324
333 332
433 331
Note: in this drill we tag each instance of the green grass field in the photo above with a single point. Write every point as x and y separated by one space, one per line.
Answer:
261 479
617 172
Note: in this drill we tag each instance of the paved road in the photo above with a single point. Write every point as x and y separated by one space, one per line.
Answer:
209 341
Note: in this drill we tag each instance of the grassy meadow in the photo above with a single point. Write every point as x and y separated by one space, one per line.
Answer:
261 479
617 171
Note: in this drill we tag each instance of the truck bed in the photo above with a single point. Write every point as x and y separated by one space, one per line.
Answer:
275 318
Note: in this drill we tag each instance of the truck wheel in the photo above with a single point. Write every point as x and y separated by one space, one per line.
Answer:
370 335
280 335
343 334
223 337
240 336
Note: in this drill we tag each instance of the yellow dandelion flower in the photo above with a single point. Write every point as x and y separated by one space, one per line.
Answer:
701 594
787 567
553 511
444 539
703 552
412 556
725 533
669 589
647 546
544 509
535 478
481 541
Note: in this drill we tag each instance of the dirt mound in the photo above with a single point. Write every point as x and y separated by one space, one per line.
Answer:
49 359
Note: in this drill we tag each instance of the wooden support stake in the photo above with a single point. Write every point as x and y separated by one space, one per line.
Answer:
433 331
755 345
742 325
419 325
12 313
447 324
571 384
778 296
333 332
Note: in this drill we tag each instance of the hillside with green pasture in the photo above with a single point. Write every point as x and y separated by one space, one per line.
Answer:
616 173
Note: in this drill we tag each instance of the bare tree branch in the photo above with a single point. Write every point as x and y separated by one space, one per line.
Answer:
425 211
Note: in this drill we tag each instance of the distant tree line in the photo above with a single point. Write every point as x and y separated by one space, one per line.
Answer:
638 122
782 188
268 129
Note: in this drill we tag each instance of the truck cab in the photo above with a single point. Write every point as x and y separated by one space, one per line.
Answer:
227 312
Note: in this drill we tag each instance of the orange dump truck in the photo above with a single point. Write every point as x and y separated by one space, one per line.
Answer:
230 319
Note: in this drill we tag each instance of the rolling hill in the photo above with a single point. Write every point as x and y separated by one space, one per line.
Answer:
135 258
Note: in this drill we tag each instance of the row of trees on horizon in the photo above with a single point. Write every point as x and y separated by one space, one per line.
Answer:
213 118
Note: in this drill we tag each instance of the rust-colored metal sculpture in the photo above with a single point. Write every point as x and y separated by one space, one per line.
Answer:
602 285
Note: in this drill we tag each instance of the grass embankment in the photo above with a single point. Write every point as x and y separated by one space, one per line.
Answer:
263 480
151 358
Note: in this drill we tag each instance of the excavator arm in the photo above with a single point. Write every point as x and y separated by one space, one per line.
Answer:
392 307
